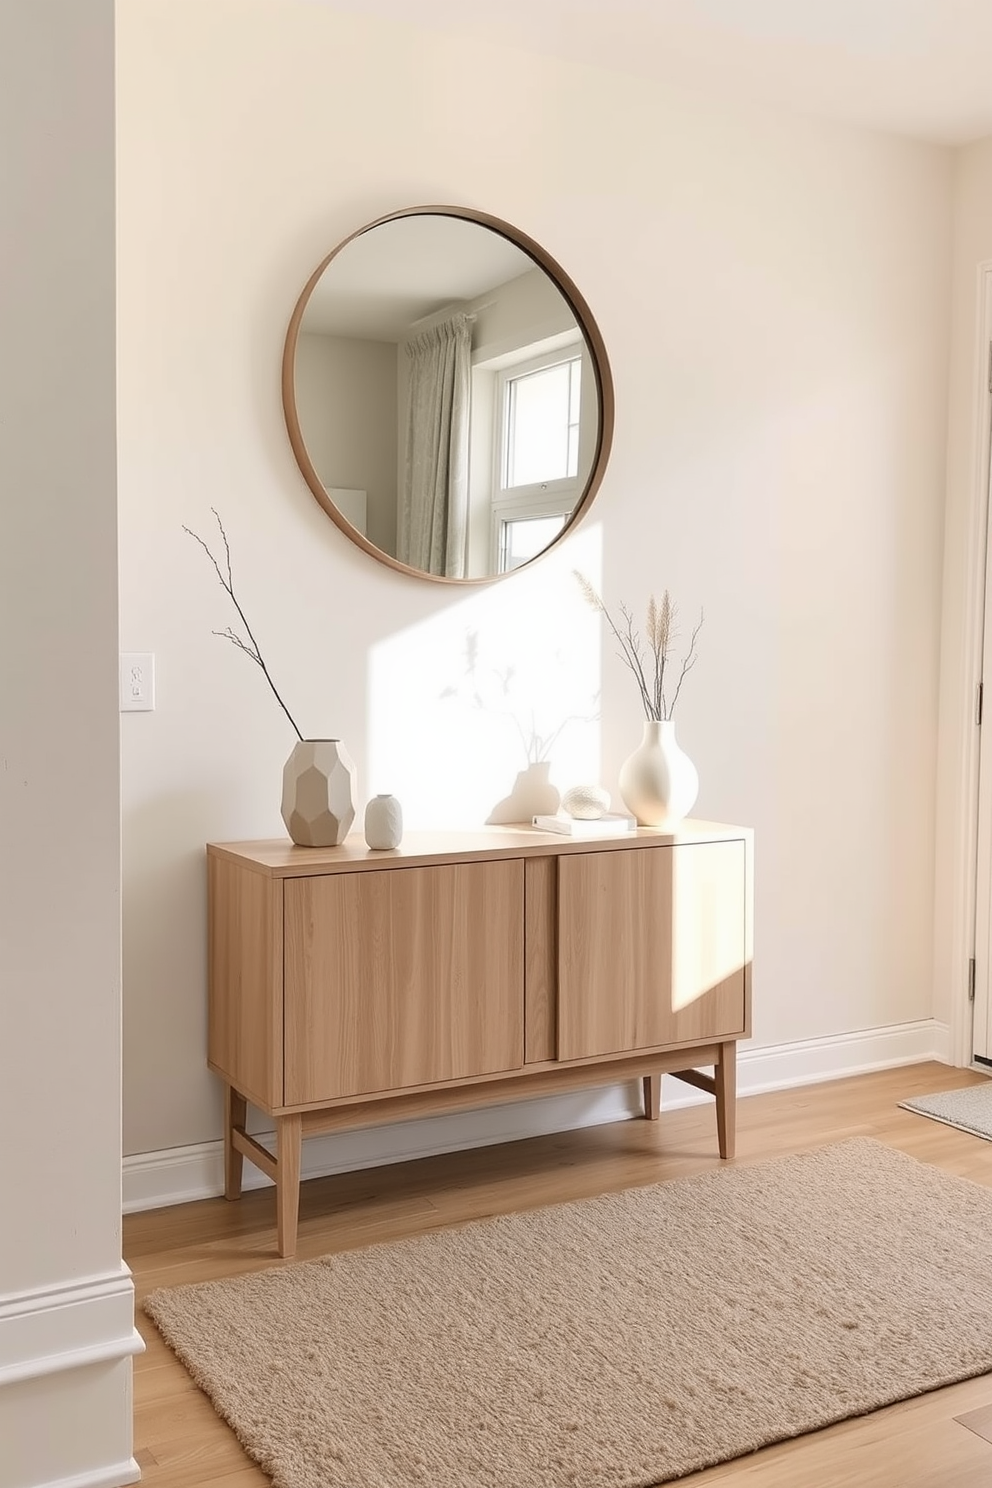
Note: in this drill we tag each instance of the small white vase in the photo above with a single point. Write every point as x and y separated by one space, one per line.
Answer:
658 782
383 822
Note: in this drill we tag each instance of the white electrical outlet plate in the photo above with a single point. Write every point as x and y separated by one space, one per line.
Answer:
137 681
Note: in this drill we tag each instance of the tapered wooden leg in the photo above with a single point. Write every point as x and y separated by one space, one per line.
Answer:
725 1076
235 1115
289 1147
652 1097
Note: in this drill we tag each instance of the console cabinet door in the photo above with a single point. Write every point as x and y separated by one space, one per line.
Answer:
400 977
652 947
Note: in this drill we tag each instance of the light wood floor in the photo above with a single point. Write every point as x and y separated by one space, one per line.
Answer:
181 1443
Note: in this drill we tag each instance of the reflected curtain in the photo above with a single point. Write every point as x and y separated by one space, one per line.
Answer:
433 525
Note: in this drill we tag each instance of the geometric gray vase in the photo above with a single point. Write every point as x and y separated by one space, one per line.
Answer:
318 793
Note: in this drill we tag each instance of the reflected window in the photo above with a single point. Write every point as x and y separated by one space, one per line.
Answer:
538 450
522 538
541 422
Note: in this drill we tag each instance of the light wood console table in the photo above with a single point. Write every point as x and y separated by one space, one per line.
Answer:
349 987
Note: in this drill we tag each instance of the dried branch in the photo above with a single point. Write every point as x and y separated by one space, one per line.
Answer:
662 630
630 643
249 647
689 662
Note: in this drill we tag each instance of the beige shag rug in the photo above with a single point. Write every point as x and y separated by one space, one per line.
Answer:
614 1342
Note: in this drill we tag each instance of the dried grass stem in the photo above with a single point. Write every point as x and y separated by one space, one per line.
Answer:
653 664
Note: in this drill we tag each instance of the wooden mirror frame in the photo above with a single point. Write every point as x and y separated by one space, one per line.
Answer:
585 322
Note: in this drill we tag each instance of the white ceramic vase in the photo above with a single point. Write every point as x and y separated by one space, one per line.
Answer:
658 782
383 822
318 793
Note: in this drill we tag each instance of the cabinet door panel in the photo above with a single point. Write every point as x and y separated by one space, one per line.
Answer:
406 976
652 947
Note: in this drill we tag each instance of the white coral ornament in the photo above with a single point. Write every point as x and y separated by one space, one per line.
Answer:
586 802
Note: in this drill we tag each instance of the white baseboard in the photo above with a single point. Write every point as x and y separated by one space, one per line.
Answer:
114 1476
177 1175
69 1429
810 1061
69 1325
65 1355
943 1046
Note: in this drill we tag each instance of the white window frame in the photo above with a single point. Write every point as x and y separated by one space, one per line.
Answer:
540 498
525 368
504 513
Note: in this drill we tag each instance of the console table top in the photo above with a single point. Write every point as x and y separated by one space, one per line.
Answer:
278 857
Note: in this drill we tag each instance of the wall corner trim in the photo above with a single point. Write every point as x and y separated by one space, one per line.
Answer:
67 1325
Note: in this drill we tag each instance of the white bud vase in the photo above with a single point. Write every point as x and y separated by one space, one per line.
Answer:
658 783
383 823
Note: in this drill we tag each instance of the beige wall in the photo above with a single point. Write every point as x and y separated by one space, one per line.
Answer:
773 292
61 1282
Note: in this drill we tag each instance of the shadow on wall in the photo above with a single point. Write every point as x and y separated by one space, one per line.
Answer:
533 710
507 678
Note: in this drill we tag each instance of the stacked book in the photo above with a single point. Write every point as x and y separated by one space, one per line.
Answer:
610 824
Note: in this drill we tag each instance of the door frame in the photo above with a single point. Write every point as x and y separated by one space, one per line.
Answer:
977 1027
972 840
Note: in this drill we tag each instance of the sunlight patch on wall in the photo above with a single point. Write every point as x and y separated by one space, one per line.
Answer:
463 701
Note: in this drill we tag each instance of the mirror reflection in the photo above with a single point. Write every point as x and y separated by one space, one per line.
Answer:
442 397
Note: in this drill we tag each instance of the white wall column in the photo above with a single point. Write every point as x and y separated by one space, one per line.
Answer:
66 1301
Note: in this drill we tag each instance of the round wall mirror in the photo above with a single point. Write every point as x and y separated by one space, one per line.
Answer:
447 394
